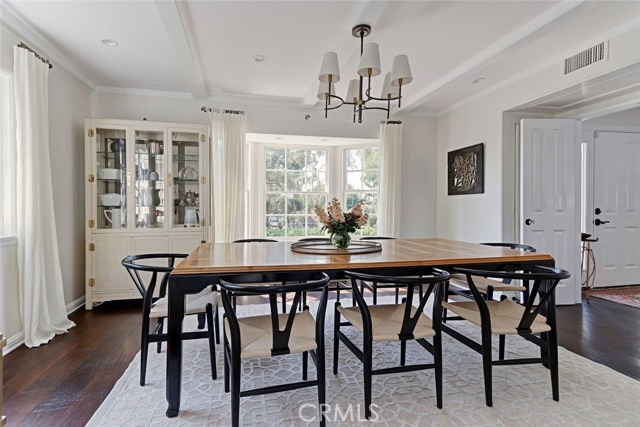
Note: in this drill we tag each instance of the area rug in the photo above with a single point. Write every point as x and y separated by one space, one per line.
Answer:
627 295
590 394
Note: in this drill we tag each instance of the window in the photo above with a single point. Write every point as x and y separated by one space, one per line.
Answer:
362 183
295 182
290 175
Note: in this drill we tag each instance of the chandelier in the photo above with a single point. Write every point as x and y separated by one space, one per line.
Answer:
357 95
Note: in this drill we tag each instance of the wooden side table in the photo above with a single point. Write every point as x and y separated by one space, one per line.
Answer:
588 263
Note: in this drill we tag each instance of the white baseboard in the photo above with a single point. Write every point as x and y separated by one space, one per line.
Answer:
75 305
18 339
13 342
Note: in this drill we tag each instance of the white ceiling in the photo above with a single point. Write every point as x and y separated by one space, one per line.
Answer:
205 48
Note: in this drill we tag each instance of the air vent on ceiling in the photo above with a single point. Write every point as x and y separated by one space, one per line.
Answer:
597 53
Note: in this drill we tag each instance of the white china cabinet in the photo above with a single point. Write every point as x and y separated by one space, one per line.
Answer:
145 192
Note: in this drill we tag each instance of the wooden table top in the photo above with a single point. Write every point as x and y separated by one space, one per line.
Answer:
225 258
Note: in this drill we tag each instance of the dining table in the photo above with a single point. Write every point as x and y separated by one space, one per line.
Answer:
210 261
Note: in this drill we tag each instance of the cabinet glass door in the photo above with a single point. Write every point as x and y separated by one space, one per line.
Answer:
149 163
185 155
111 174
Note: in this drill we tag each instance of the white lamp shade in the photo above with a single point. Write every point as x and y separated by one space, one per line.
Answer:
353 92
323 90
329 68
401 70
370 59
388 88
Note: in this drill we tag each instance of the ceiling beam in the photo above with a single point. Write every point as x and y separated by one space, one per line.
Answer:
422 95
177 22
369 12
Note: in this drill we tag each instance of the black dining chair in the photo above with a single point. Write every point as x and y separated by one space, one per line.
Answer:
393 322
374 286
488 286
337 285
144 271
273 334
259 240
535 320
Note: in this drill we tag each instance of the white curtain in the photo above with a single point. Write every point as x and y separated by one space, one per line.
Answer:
41 289
229 175
390 177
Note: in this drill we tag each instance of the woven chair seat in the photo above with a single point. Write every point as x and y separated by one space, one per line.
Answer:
505 316
256 339
196 303
483 283
387 321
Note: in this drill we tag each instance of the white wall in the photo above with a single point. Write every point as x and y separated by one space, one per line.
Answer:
418 151
622 120
480 217
69 104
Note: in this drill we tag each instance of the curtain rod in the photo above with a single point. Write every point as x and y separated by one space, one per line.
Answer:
217 110
390 122
41 58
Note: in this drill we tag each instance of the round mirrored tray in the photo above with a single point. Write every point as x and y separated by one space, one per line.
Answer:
326 248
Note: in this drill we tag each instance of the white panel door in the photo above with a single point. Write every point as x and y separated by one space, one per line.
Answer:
550 196
616 202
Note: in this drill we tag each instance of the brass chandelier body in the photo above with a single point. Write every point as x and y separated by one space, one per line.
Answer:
358 95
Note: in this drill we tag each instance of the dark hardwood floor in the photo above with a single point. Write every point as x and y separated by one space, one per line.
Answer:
64 382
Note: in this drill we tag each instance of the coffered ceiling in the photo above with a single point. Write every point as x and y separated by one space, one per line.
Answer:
206 49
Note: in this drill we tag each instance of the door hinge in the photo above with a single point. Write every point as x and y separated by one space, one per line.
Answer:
203 180
203 222
92 247
92 282
90 133
92 223
201 137
92 178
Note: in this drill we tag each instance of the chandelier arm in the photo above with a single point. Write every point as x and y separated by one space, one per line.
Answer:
376 108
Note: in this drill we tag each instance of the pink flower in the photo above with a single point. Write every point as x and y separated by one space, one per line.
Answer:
322 216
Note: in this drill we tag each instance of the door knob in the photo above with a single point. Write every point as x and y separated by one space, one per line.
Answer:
598 211
529 221
599 222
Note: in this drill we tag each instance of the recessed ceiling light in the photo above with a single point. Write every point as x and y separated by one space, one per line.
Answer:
259 58
109 42
479 80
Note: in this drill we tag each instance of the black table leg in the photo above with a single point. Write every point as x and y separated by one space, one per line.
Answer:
174 345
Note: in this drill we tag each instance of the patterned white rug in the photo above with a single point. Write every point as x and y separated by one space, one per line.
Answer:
590 394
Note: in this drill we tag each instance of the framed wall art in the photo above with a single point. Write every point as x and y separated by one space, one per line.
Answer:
465 168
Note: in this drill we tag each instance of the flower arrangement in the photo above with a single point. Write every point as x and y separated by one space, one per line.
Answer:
339 223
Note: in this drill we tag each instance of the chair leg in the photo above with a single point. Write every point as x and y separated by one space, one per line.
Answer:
305 364
486 366
212 341
144 350
437 359
553 354
368 367
374 286
403 352
320 372
201 320
397 295
284 302
235 390
336 340
217 325
501 342
225 351
160 329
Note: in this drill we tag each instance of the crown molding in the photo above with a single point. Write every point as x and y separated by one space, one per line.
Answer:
33 38
143 92
429 91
